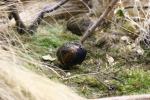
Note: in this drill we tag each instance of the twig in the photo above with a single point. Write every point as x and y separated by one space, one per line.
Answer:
100 20
131 7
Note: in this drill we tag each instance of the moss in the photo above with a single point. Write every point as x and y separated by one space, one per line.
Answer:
88 85
128 26
49 37
135 81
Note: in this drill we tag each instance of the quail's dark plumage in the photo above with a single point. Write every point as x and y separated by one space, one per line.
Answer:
79 24
71 54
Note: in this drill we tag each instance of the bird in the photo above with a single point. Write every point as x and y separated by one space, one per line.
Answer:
79 24
70 54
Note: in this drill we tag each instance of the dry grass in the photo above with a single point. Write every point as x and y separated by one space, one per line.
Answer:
18 83
139 16
28 85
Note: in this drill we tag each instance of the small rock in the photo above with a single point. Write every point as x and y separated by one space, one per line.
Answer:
125 39
110 59
48 58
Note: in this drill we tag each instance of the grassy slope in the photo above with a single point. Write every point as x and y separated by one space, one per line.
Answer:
95 77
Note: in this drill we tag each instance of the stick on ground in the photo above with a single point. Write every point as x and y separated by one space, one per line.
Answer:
100 20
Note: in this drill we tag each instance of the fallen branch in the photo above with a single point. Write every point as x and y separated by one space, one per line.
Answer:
32 28
100 20
21 28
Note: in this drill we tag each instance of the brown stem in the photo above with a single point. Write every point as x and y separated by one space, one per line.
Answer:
100 20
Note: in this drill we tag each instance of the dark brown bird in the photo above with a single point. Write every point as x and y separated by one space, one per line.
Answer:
79 24
70 54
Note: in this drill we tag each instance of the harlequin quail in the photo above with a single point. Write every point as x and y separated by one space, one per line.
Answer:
79 24
70 54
